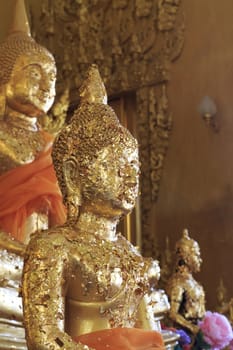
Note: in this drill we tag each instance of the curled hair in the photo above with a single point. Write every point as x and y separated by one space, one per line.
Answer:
13 47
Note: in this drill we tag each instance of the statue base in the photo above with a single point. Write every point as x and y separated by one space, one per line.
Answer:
12 335
170 339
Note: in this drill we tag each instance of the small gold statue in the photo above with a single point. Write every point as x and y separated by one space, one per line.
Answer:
187 297
223 302
225 306
82 279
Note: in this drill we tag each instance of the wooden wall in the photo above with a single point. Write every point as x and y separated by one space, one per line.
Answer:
5 14
197 185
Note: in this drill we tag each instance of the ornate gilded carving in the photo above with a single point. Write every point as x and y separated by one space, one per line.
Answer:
133 42
154 125
166 263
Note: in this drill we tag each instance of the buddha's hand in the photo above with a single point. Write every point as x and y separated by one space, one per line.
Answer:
124 339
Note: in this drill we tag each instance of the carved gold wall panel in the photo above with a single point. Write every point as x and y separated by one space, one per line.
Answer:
134 43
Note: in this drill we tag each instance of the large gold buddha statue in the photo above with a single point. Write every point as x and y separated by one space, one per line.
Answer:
29 195
82 280
187 296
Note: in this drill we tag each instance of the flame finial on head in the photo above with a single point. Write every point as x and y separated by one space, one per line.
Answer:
185 234
93 90
185 239
20 20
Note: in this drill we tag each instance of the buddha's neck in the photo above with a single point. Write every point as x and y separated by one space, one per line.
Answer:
20 120
184 270
92 223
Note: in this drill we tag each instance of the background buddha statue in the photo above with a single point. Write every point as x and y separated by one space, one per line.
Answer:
30 198
29 195
187 297
82 280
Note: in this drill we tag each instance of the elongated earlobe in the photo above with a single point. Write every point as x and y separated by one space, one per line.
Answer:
73 187
2 100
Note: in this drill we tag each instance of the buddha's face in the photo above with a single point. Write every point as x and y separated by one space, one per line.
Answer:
193 257
196 258
114 177
31 89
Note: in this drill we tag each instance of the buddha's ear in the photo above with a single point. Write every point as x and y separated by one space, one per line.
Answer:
72 183
2 100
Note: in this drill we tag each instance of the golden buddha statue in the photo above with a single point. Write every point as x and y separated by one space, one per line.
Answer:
187 296
29 195
81 280
30 198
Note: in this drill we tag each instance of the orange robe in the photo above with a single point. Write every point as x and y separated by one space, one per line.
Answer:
123 339
27 189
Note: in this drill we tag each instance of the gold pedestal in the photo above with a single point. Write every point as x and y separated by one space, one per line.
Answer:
155 308
170 339
12 335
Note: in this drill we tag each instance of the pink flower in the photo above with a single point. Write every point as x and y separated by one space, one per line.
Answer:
216 330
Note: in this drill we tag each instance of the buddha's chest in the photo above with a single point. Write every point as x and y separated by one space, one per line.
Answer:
18 147
103 269
111 277
194 290
194 302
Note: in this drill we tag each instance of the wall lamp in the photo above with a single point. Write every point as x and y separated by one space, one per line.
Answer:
208 110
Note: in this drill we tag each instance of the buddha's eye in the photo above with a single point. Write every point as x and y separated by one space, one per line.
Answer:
35 74
52 76
104 165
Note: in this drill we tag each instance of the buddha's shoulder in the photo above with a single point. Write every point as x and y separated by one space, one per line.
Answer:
7 135
18 146
12 134
96 240
52 239
7 131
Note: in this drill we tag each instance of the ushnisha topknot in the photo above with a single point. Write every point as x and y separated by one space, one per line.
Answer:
92 89
19 42
93 127
185 246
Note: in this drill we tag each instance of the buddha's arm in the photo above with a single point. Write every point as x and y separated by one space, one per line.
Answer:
176 299
11 245
145 315
44 288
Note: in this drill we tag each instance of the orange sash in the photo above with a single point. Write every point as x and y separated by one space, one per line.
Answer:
123 339
27 189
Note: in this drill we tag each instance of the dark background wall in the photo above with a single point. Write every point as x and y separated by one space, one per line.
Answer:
197 185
